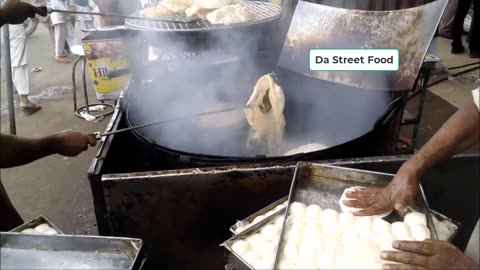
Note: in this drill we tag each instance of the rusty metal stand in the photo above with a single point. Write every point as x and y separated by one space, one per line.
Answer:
423 78
79 111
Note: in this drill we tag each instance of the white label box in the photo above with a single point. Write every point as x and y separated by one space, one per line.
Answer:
354 59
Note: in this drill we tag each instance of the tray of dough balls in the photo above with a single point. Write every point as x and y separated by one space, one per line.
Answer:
268 211
319 232
39 225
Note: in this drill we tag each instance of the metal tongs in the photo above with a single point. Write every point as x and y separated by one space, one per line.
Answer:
98 135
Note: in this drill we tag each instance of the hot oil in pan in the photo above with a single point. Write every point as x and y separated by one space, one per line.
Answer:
315 112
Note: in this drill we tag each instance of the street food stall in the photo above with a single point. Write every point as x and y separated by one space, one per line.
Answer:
181 184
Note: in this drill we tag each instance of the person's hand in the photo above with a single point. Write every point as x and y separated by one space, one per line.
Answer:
428 254
16 12
398 194
72 143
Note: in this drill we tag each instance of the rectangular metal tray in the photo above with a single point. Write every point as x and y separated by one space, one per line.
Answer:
28 251
323 185
442 217
34 223
263 211
235 261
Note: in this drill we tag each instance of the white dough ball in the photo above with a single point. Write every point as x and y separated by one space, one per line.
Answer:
363 224
385 243
255 240
295 222
240 229
290 250
420 232
313 212
312 231
368 236
401 231
279 222
297 209
313 244
346 220
258 219
325 260
267 250
332 245
270 231
287 265
278 207
42 227
29 230
294 235
345 262
263 265
306 265
269 213
331 229
50 231
352 245
329 218
413 218
240 247
251 257
381 226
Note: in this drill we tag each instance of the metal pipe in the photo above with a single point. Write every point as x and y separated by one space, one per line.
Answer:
84 80
8 79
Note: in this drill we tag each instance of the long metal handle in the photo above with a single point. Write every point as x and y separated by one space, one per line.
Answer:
98 135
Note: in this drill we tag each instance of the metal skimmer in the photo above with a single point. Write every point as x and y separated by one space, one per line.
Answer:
263 12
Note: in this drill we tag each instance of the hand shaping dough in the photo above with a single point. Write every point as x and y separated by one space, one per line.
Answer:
347 209
264 113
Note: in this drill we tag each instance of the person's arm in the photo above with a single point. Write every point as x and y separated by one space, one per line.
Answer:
16 12
460 132
16 151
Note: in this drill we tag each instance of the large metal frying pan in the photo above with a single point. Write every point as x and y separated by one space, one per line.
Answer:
316 112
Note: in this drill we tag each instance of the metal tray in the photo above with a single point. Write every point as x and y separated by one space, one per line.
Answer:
264 210
442 217
34 223
235 261
323 185
29 251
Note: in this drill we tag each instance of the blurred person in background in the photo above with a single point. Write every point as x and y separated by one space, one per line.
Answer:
461 13
446 23
20 70
84 21
63 29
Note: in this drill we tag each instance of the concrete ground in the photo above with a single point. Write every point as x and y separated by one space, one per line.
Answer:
57 187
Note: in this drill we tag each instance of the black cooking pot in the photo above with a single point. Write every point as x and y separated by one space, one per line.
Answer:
349 121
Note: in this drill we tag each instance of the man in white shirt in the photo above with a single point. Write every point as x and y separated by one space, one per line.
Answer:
459 133
63 29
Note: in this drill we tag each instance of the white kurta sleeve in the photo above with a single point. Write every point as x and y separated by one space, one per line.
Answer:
476 97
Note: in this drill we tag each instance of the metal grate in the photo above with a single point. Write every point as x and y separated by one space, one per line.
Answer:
263 12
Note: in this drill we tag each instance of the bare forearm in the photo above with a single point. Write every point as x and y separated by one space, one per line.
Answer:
16 151
459 133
